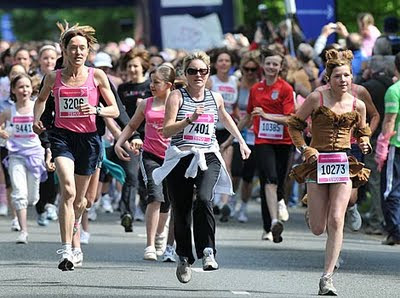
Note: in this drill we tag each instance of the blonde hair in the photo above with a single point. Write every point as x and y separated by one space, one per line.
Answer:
336 58
252 56
67 33
200 55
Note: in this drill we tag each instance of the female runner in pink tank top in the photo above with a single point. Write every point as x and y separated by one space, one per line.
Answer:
75 143
152 110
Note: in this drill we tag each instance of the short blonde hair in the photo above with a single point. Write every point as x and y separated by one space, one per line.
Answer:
196 56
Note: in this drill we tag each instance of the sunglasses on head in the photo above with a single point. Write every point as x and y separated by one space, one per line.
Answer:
250 69
193 71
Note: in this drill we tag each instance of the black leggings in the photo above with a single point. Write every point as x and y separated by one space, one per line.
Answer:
181 191
272 162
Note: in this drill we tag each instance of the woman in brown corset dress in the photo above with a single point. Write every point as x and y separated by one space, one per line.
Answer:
329 172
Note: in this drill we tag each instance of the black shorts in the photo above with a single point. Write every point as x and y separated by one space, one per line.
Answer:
272 162
82 148
222 135
155 193
243 168
4 154
356 152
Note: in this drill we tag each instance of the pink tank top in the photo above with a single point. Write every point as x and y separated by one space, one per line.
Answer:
154 142
67 100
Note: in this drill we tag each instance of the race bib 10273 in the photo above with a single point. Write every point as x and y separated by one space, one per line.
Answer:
201 130
270 130
70 101
333 168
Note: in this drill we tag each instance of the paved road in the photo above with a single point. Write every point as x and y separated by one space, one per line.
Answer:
113 264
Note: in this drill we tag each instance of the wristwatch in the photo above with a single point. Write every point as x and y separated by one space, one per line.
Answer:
302 148
98 111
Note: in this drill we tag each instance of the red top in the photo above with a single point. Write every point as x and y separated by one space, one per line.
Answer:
275 99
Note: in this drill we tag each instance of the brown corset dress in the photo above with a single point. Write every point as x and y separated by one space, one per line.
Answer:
331 132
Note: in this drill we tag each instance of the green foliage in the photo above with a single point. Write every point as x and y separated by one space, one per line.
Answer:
38 24
347 11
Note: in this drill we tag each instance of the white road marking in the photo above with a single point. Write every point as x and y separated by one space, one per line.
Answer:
240 293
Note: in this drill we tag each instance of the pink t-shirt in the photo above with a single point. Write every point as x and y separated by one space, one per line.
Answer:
67 100
154 142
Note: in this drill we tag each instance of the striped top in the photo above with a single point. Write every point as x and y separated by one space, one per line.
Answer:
202 132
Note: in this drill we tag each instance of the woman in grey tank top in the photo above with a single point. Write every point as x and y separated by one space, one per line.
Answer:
194 160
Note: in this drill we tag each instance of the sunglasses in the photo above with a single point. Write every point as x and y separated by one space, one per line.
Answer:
201 71
250 69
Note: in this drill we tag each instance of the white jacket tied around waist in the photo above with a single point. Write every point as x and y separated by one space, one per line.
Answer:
173 155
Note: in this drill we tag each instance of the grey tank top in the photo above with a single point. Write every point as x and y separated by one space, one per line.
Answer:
202 132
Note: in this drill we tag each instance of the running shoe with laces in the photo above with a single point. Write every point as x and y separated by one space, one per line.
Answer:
150 253
51 212
277 229
160 244
225 213
183 270
126 222
326 287
65 262
353 218
42 219
283 213
22 238
242 218
169 254
92 215
77 258
15 225
267 236
85 236
139 215
209 262
3 209
106 203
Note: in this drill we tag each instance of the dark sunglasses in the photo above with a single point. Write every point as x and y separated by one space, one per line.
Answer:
250 69
201 71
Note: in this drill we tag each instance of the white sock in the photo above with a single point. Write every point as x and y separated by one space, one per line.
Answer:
274 221
327 274
76 249
67 246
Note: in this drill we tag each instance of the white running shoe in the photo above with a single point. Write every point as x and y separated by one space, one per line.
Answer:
169 254
42 219
65 262
85 236
22 238
139 215
3 209
209 262
243 216
150 253
92 215
160 244
51 212
77 258
353 218
15 225
106 204
283 213
267 236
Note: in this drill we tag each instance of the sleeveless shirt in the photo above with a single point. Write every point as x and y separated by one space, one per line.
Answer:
67 100
200 133
154 142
